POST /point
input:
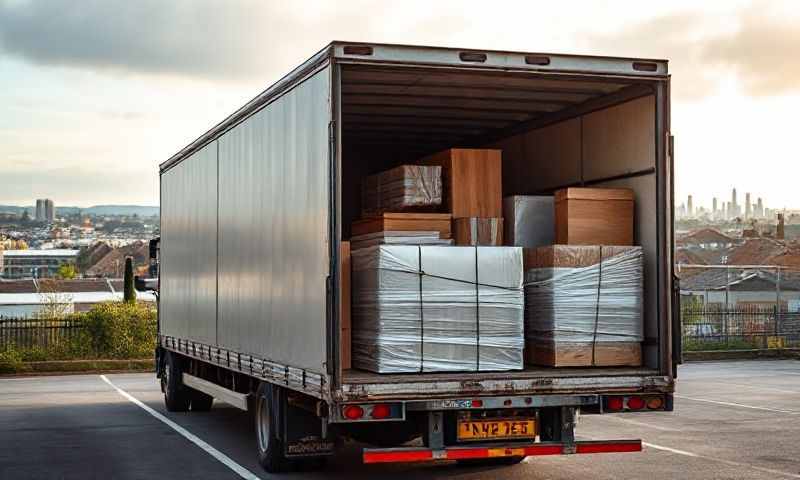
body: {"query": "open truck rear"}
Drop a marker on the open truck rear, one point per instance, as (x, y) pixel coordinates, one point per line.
(254, 211)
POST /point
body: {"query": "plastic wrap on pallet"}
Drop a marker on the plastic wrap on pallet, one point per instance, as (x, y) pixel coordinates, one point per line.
(401, 188)
(398, 238)
(501, 335)
(601, 302)
(423, 309)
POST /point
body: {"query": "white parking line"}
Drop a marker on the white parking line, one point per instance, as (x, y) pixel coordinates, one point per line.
(720, 460)
(641, 424)
(740, 405)
(224, 459)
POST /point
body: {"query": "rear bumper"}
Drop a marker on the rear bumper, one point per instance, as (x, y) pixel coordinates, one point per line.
(394, 455)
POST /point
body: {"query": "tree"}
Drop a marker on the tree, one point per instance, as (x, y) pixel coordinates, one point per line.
(66, 271)
(130, 291)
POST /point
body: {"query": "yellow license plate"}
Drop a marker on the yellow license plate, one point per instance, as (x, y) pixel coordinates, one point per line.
(490, 429)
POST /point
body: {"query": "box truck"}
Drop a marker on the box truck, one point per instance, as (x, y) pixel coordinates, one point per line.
(254, 211)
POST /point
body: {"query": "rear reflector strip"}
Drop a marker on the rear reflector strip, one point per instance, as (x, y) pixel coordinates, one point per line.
(392, 455)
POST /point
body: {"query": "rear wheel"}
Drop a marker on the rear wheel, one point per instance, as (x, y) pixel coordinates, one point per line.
(176, 395)
(270, 448)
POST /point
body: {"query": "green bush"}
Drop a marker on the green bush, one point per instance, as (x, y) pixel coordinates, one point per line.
(109, 331)
(120, 330)
(10, 360)
(731, 344)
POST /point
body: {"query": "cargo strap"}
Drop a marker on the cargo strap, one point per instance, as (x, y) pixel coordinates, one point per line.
(597, 309)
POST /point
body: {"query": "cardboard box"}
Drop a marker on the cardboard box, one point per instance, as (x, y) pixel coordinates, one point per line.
(583, 305)
(472, 180)
(402, 188)
(594, 216)
(401, 222)
(478, 231)
(529, 220)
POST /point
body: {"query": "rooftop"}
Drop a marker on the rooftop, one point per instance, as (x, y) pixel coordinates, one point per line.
(57, 252)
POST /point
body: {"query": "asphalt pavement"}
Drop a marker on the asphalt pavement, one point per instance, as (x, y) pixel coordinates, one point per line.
(732, 420)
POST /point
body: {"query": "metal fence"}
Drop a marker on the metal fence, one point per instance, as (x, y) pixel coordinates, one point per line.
(26, 333)
(730, 327)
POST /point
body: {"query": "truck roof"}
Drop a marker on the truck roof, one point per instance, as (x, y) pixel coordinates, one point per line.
(437, 57)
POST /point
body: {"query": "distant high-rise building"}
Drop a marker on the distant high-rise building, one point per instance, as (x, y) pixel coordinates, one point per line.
(714, 208)
(748, 212)
(49, 210)
(733, 210)
(45, 210)
(759, 209)
(39, 217)
(689, 207)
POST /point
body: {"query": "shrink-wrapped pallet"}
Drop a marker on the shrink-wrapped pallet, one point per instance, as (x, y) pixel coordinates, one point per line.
(583, 305)
(402, 188)
(437, 309)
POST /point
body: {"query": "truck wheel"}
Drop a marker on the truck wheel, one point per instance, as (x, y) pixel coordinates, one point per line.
(176, 396)
(270, 449)
(201, 402)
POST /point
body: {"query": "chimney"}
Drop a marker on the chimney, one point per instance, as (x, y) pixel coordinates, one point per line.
(779, 232)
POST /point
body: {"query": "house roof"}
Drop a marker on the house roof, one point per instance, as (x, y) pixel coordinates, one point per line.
(56, 252)
(113, 262)
(705, 235)
(40, 286)
(755, 251)
(689, 257)
(68, 298)
(740, 280)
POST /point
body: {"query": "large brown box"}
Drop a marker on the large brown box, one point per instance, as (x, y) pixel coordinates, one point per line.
(473, 231)
(404, 222)
(472, 179)
(345, 345)
(594, 216)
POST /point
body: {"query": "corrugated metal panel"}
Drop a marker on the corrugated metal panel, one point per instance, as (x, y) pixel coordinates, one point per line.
(189, 247)
(273, 229)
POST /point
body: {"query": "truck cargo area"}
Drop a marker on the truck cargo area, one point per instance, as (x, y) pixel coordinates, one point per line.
(555, 130)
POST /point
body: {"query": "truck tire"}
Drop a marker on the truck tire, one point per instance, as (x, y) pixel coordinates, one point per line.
(176, 395)
(200, 402)
(270, 448)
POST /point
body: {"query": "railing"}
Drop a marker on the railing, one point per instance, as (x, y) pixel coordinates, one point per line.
(25, 333)
(732, 327)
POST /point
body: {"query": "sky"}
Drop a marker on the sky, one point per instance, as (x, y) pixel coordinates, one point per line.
(95, 94)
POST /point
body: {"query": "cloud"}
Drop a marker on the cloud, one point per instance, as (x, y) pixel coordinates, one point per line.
(755, 44)
(763, 51)
(200, 38)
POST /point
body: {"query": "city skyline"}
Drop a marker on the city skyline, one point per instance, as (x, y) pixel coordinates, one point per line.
(753, 207)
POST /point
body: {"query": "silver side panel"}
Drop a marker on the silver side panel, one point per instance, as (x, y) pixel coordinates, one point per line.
(273, 229)
(189, 248)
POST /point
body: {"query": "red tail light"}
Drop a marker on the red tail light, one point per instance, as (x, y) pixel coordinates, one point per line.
(353, 412)
(614, 403)
(635, 403)
(381, 411)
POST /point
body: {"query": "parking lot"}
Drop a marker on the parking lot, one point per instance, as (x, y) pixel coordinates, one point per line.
(734, 419)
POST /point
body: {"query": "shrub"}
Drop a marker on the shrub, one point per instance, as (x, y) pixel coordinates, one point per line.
(10, 360)
(120, 330)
